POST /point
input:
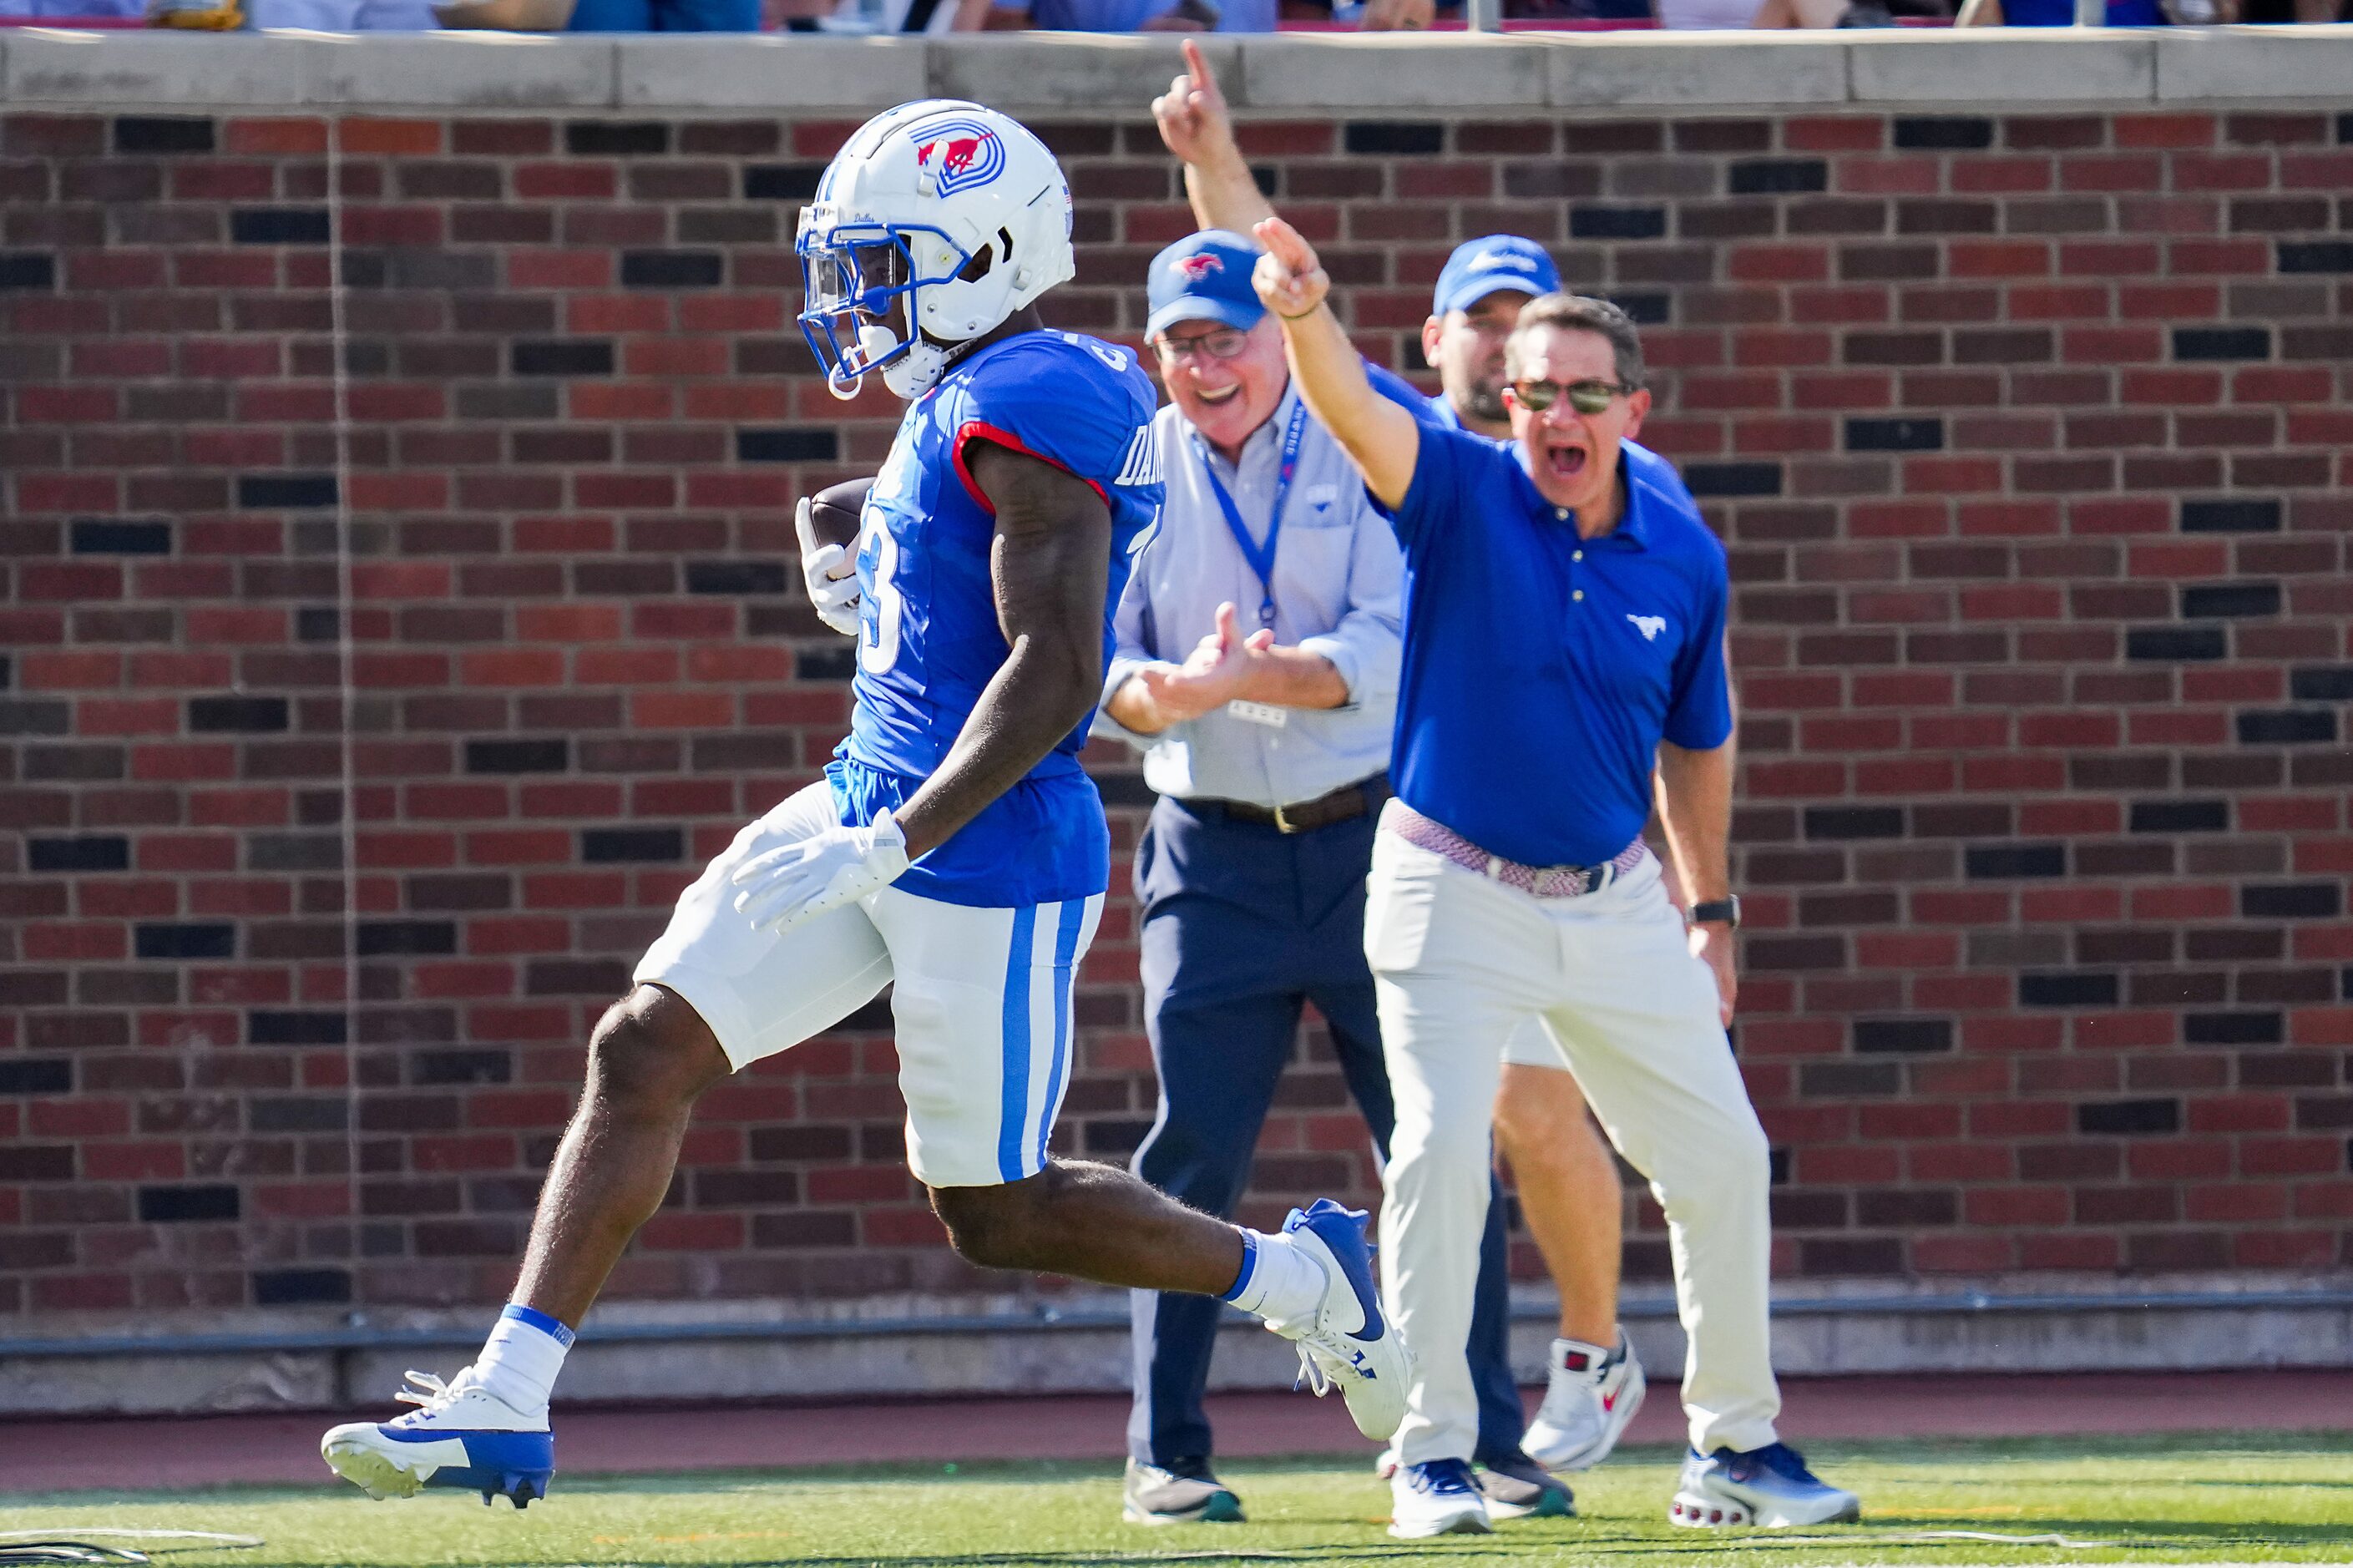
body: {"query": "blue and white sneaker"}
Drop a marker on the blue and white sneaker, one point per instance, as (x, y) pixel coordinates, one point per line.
(1346, 1342)
(1769, 1487)
(460, 1435)
(1440, 1497)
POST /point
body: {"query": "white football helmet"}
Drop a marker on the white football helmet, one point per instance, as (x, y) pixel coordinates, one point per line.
(934, 222)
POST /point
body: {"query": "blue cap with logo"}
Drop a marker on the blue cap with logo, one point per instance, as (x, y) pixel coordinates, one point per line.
(1479, 266)
(1204, 277)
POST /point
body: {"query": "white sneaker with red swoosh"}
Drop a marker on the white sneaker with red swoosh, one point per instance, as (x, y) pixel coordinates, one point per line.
(1590, 1397)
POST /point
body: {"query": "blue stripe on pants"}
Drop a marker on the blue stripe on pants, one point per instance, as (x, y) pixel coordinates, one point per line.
(1013, 1112)
(1066, 950)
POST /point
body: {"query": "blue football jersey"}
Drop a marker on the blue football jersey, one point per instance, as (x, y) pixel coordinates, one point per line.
(929, 642)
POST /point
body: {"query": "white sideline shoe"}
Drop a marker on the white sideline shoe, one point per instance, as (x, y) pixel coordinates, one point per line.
(1440, 1497)
(1590, 1397)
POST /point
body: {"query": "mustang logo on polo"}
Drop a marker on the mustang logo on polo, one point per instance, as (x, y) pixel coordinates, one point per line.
(1649, 625)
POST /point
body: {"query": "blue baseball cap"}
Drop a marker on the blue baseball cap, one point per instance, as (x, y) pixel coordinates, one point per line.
(1479, 266)
(1204, 277)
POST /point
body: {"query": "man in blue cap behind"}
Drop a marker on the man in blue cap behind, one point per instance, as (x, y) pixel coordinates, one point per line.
(1256, 665)
(1568, 1178)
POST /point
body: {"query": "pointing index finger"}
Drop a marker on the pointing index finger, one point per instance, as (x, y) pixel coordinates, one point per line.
(1198, 66)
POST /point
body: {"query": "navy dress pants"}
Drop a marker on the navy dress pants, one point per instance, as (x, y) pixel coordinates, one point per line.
(1242, 925)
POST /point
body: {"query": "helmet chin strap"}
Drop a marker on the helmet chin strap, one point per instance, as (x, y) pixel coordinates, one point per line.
(874, 340)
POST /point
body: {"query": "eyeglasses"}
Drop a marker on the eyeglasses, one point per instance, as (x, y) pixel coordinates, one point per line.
(1225, 343)
(1585, 397)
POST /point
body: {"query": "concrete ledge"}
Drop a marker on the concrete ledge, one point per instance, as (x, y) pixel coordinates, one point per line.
(1632, 70)
(2244, 64)
(1113, 77)
(1383, 73)
(2041, 66)
(753, 1350)
(658, 70)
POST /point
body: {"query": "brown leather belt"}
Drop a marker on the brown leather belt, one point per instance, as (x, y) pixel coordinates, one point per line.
(1342, 805)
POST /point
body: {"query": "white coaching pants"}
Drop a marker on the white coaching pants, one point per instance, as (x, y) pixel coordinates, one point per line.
(1459, 961)
(981, 1001)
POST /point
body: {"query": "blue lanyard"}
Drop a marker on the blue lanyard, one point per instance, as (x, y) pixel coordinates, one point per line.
(1262, 557)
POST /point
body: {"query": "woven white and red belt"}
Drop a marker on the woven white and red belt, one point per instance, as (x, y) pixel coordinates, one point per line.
(1537, 881)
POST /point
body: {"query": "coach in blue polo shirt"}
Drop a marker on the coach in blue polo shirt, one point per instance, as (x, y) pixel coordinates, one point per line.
(1569, 1194)
(1564, 639)
(1255, 664)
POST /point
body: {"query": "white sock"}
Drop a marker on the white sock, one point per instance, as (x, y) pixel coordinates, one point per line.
(1279, 1281)
(520, 1359)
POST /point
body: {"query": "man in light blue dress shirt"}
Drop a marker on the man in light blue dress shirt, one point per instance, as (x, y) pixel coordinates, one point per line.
(1256, 664)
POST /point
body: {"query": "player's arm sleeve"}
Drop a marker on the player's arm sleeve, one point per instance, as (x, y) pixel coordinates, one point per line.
(1368, 647)
(1699, 710)
(1063, 407)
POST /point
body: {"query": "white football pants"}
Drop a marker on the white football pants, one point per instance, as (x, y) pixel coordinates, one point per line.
(1460, 961)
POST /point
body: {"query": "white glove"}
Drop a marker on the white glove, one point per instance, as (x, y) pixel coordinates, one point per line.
(831, 571)
(811, 876)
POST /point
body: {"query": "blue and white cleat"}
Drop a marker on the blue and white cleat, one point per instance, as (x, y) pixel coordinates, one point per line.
(1440, 1497)
(460, 1435)
(1346, 1342)
(1768, 1487)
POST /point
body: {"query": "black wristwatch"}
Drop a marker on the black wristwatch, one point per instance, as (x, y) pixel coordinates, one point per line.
(1726, 908)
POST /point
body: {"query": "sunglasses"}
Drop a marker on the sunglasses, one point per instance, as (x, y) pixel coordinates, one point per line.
(1585, 397)
(1225, 343)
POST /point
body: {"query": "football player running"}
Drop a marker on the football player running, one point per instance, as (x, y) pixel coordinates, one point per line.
(954, 849)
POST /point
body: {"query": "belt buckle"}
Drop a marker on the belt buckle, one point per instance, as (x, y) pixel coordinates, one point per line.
(1283, 824)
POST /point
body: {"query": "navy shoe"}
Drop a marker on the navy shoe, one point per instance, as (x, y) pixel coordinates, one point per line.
(1516, 1487)
(1182, 1493)
(460, 1435)
(1768, 1487)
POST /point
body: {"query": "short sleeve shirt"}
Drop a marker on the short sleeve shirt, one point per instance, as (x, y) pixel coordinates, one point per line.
(1543, 670)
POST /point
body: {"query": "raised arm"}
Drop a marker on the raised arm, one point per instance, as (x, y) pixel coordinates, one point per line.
(1382, 438)
(1194, 123)
(1051, 563)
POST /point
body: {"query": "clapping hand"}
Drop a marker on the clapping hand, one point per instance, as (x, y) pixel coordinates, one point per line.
(1289, 279)
(1217, 671)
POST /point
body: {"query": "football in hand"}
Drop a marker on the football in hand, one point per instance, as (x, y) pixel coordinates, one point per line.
(834, 512)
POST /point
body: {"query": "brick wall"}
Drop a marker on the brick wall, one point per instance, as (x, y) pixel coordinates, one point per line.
(2024, 434)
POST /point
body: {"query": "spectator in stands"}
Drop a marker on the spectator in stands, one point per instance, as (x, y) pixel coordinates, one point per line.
(2055, 14)
(665, 16)
(1207, 15)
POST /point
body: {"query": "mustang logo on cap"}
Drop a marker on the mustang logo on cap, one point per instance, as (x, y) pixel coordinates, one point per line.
(1199, 267)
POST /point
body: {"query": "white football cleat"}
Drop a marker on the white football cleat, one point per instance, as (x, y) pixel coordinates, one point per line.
(460, 1435)
(1346, 1342)
(1768, 1487)
(1590, 1397)
(1440, 1497)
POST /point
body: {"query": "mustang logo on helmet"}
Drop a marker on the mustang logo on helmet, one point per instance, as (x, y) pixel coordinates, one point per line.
(958, 155)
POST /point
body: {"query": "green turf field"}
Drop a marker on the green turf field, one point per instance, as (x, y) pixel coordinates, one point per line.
(2235, 1499)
